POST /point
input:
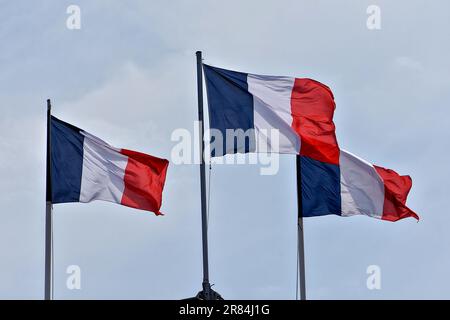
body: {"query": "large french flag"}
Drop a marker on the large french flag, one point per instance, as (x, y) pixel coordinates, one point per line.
(300, 109)
(85, 168)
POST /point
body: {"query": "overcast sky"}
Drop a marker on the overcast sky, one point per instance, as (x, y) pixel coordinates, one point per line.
(128, 76)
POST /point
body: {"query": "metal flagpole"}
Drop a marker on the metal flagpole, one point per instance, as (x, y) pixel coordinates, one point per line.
(301, 240)
(48, 215)
(206, 284)
(207, 293)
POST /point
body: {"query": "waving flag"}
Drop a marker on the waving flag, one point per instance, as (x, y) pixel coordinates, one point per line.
(85, 168)
(354, 187)
(301, 110)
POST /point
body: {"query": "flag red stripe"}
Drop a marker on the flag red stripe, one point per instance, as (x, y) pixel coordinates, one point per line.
(312, 108)
(396, 189)
(144, 181)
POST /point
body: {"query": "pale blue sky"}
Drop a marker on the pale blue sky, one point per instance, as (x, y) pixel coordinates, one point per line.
(128, 76)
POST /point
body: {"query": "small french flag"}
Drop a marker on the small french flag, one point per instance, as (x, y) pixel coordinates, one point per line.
(85, 168)
(354, 187)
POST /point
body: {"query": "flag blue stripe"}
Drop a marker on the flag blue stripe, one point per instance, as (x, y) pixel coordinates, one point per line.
(67, 161)
(321, 188)
(230, 107)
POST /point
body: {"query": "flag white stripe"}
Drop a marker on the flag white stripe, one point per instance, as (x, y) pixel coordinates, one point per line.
(272, 111)
(362, 189)
(103, 171)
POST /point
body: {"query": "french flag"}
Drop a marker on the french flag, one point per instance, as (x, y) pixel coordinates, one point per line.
(333, 181)
(300, 109)
(85, 168)
(353, 187)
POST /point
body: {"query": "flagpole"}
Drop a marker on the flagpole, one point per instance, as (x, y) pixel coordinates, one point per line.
(301, 240)
(48, 215)
(206, 285)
